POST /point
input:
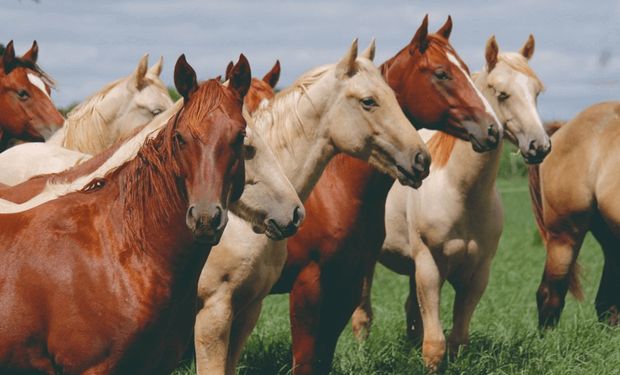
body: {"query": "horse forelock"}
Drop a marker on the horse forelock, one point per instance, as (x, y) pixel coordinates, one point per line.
(519, 63)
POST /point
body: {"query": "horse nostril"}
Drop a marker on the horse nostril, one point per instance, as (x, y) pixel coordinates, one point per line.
(422, 162)
(491, 130)
(216, 220)
(297, 216)
(533, 145)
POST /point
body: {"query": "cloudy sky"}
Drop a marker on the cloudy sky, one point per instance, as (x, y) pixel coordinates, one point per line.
(86, 44)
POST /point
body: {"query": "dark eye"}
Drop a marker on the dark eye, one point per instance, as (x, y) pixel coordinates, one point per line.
(502, 96)
(441, 75)
(23, 94)
(368, 103)
(156, 111)
(249, 152)
(179, 138)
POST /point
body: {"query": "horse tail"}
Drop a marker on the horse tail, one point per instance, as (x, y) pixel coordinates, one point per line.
(553, 126)
(574, 285)
(534, 185)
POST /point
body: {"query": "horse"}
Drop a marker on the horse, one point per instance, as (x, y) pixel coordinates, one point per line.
(118, 295)
(28, 113)
(573, 193)
(339, 245)
(343, 107)
(450, 228)
(101, 120)
(261, 89)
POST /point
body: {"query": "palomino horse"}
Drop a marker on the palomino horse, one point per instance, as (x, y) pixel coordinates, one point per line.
(450, 228)
(575, 191)
(345, 107)
(26, 109)
(101, 120)
(336, 247)
(103, 280)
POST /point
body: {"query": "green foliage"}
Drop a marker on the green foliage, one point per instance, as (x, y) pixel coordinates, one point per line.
(504, 334)
(174, 95)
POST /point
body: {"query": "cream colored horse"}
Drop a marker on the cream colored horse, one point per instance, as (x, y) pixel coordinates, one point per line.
(100, 121)
(449, 229)
(346, 107)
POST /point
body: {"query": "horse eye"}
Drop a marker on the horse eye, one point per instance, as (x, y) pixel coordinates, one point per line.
(156, 111)
(368, 103)
(441, 75)
(179, 138)
(502, 96)
(23, 94)
(249, 152)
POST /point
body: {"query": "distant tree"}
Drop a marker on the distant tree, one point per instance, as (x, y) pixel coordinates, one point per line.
(174, 95)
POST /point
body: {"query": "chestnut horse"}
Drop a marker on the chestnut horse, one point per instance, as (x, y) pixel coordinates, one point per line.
(104, 280)
(261, 89)
(26, 109)
(344, 228)
(343, 107)
(575, 190)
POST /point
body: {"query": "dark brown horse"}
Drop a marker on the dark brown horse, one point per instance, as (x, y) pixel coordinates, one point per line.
(26, 110)
(103, 280)
(575, 191)
(344, 229)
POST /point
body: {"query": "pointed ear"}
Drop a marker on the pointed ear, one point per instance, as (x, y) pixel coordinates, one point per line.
(9, 62)
(369, 52)
(155, 70)
(140, 72)
(185, 78)
(272, 76)
(490, 53)
(419, 42)
(347, 66)
(229, 68)
(241, 76)
(528, 48)
(32, 54)
(446, 29)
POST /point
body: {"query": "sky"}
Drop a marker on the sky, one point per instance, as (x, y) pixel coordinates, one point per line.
(86, 44)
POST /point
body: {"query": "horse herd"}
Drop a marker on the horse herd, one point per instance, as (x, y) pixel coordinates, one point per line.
(117, 245)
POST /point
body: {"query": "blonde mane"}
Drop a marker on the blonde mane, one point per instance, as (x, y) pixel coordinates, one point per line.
(517, 62)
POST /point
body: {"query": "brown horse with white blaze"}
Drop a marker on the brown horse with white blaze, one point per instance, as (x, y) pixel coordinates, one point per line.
(103, 280)
(26, 109)
(575, 191)
(344, 229)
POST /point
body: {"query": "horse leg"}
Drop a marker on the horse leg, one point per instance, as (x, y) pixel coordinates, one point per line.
(242, 327)
(415, 327)
(212, 333)
(361, 321)
(562, 251)
(428, 286)
(468, 292)
(607, 298)
(305, 315)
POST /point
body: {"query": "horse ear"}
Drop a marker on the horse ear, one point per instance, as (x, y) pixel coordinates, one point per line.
(140, 72)
(528, 48)
(369, 52)
(347, 66)
(185, 78)
(241, 76)
(419, 42)
(272, 76)
(156, 69)
(491, 52)
(229, 68)
(8, 58)
(32, 54)
(446, 29)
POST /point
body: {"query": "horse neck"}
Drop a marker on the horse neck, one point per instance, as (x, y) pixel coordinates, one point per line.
(299, 139)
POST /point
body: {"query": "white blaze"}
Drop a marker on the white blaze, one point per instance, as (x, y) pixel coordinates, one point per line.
(38, 82)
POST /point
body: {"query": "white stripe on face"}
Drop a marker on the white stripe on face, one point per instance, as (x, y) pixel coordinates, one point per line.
(521, 81)
(487, 106)
(38, 82)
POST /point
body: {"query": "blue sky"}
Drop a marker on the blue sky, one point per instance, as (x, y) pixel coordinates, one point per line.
(86, 44)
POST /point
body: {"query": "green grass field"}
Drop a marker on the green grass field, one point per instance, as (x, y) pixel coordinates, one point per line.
(504, 336)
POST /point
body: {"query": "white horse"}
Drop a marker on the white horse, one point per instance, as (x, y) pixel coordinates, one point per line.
(101, 120)
(449, 229)
(345, 107)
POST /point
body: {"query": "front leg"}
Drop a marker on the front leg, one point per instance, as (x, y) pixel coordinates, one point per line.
(361, 321)
(242, 326)
(212, 333)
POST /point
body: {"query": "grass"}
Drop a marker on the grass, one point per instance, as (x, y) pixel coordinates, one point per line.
(504, 336)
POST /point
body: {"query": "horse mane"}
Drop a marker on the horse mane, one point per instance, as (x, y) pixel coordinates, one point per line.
(519, 63)
(440, 146)
(553, 126)
(45, 77)
(85, 127)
